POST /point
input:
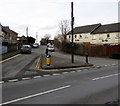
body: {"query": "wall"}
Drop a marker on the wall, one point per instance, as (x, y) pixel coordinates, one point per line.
(3, 49)
(95, 38)
(112, 40)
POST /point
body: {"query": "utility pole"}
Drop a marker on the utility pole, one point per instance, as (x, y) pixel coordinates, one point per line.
(36, 37)
(27, 34)
(72, 23)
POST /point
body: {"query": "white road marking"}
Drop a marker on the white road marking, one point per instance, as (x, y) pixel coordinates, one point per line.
(65, 72)
(56, 74)
(34, 95)
(14, 80)
(113, 64)
(85, 69)
(1, 82)
(72, 71)
(25, 78)
(105, 77)
(97, 66)
(105, 65)
(37, 77)
(79, 70)
(46, 75)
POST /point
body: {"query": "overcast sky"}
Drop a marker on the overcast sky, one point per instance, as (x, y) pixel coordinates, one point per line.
(43, 16)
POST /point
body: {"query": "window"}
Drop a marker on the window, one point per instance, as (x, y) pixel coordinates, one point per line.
(75, 36)
(86, 36)
(106, 40)
(69, 36)
(100, 37)
(117, 35)
(108, 35)
(93, 37)
(80, 36)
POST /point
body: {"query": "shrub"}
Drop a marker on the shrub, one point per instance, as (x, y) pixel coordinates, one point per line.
(115, 55)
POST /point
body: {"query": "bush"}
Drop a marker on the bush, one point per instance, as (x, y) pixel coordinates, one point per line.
(115, 56)
(67, 47)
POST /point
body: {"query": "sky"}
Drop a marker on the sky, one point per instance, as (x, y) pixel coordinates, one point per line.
(43, 16)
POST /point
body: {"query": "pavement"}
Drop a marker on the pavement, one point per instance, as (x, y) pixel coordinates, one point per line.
(62, 63)
(7, 55)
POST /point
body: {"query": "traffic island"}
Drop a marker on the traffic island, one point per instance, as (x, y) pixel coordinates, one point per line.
(57, 64)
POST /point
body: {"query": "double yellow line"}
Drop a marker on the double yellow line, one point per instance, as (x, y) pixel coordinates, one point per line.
(37, 65)
(9, 58)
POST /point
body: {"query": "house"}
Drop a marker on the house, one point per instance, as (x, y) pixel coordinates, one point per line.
(9, 35)
(1, 32)
(9, 39)
(22, 40)
(107, 34)
(83, 33)
(96, 34)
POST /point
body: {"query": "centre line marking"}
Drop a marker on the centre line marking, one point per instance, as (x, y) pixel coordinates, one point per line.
(9, 58)
(105, 77)
(34, 95)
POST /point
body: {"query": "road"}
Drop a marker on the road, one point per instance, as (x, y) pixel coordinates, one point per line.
(92, 86)
(13, 66)
(87, 86)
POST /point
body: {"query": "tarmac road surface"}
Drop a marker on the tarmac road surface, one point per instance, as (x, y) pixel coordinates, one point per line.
(14, 64)
(92, 86)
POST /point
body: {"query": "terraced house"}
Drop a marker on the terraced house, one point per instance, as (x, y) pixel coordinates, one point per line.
(96, 34)
(8, 38)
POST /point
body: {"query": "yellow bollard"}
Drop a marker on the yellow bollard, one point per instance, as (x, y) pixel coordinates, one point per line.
(48, 59)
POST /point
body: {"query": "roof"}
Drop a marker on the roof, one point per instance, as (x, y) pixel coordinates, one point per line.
(6, 29)
(108, 28)
(85, 29)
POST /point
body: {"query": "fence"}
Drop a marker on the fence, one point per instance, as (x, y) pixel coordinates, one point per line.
(92, 50)
(103, 50)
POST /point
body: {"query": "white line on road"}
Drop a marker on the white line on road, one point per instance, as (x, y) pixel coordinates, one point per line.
(65, 72)
(1, 82)
(25, 78)
(85, 69)
(113, 64)
(46, 75)
(72, 71)
(105, 77)
(38, 94)
(37, 77)
(79, 70)
(13, 80)
(56, 74)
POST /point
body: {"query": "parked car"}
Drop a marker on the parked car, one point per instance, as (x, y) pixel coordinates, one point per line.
(35, 45)
(25, 49)
(51, 48)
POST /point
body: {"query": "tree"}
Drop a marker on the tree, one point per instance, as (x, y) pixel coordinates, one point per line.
(47, 36)
(31, 40)
(64, 26)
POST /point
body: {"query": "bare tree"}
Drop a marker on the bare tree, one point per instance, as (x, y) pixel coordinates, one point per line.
(64, 26)
(47, 36)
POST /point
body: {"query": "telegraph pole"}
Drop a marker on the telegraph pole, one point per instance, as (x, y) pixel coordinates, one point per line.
(27, 34)
(36, 37)
(72, 23)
